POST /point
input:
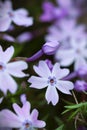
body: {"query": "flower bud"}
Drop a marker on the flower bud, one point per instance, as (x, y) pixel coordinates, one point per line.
(49, 48)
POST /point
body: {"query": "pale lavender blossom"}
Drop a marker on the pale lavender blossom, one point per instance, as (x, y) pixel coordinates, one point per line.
(8, 38)
(82, 71)
(23, 98)
(8, 15)
(51, 12)
(80, 85)
(77, 53)
(8, 69)
(65, 29)
(23, 119)
(70, 7)
(52, 80)
(24, 37)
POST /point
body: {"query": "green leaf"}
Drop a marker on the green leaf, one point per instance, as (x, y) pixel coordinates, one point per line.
(60, 127)
(76, 106)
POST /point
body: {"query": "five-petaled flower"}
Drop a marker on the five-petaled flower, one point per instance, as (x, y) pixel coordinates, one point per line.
(77, 52)
(53, 79)
(7, 69)
(23, 119)
(8, 15)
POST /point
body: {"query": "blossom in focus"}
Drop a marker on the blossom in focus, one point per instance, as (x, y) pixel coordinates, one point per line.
(8, 69)
(52, 80)
(77, 53)
(23, 119)
(8, 15)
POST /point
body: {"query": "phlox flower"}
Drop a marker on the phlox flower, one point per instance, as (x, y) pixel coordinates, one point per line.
(52, 79)
(22, 118)
(65, 29)
(8, 15)
(77, 53)
(8, 69)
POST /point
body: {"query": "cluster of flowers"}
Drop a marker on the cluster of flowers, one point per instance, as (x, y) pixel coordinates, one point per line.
(66, 41)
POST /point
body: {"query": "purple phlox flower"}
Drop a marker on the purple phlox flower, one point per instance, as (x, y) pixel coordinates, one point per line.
(59, 31)
(23, 119)
(51, 12)
(10, 68)
(49, 48)
(77, 53)
(8, 15)
(70, 8)
(7, 37)
(80, 85)
(24, 37)
(52, 80)
(82, 71)
(1, 99)
(23, 98)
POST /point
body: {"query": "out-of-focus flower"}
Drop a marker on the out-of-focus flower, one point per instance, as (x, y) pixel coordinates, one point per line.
(24, 37)
(23, 119)
(64, 30)
(77, 53)
(62, 10)
(70, 8)
(82, 71)
(8, 15)
(51, 12)
(23, 98)
(80, 85)
(8, 38)
(7, 69)
(52, 79)
(49, 48)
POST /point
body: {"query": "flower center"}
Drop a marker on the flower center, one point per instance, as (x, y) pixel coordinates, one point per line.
(2, 66)
(27, 125)
(52, 80)
(10, 14)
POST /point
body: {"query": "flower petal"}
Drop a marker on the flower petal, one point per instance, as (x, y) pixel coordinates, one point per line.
(37, 82)
(9, 119)
(65, 86)
(21, 14)
(16, 68)
(7, 83)
(23, 112)
(66, 57)
(4, 23)
(42, 69)
(7, 55)
(52, 95)
(59, 73)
